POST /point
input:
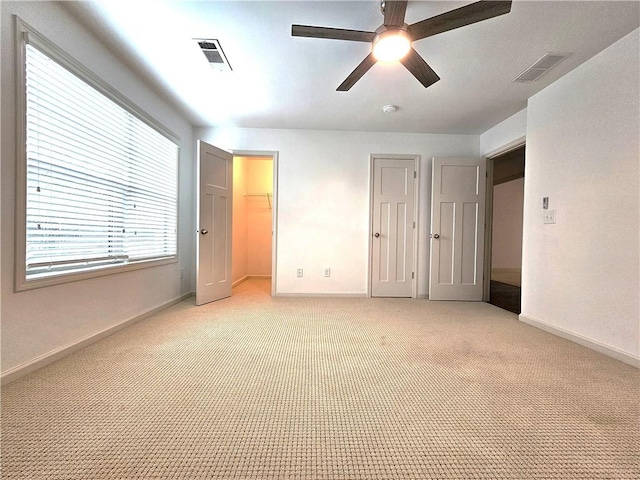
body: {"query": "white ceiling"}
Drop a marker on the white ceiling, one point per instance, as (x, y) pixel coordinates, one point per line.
(280, 81)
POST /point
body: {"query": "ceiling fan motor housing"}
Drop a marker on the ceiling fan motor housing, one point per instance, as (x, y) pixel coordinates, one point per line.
(391, 44)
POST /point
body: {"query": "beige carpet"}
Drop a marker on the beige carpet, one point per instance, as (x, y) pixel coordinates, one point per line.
(313, 388)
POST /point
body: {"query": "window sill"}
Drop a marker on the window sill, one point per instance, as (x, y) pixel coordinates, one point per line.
(21, 284)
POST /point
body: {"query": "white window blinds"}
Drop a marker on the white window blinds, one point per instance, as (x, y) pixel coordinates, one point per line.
(101, 186)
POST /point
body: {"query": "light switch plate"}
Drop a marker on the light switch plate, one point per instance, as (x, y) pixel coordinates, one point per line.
(549, 216)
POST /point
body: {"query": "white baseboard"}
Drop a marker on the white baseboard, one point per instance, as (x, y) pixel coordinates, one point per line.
(585, 342)
(239, 281)
(23, 369)
(507, 270)
(324, 295)
(248, 277)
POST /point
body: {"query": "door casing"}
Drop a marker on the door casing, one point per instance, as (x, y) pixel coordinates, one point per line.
(414, 233)
(274, 208)
(488, 231)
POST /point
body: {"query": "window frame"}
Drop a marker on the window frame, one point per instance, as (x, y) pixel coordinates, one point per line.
(25, 34)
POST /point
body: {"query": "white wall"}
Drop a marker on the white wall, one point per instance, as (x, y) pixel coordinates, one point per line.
(508, 133)
(38, 322)
(259, 216)
(506, 246)
(581, 275)
(323, 199)
(239, 233)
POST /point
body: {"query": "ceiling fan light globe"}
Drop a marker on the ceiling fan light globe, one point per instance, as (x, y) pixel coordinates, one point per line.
(391, 46)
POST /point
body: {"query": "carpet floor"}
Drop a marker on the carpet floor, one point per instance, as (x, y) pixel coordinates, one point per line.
(254, 387)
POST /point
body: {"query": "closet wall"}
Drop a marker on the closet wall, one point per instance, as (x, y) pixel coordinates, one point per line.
(252, 217)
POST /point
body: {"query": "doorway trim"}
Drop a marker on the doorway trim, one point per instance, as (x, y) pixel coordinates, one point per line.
(488, 224)
(274, 207)
(416, 216)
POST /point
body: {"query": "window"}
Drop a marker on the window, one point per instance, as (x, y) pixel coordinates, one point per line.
(100, 178)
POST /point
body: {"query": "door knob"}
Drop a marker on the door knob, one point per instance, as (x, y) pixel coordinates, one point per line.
(376, 235)
(436, 236)
(204, 231)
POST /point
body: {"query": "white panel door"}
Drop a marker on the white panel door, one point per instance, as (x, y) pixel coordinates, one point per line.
(457, 229)
(393, 228)
(215, 195)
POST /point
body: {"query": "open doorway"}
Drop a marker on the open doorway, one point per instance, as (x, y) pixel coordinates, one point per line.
(506, 229)
(253, 218)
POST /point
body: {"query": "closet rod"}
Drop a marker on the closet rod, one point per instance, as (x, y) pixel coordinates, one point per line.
(268, 195)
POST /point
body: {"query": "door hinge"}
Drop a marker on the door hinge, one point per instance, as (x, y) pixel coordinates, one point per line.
(414, 224)
(413, 275)
(415, 175)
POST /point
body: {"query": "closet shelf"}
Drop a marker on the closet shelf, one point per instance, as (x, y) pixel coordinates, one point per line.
(268, 195)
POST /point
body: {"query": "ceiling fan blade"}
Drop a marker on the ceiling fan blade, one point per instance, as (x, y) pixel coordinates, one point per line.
(419, 68)
(357, 74)
(459, 17)
(332, 33)
(394, 13)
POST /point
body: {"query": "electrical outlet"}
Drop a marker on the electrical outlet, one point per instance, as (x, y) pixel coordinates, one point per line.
(549, 216)
(327, 272)
(299, 273)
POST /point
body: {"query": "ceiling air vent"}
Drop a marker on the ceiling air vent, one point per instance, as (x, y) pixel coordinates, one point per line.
(542, 66)
(215, 56)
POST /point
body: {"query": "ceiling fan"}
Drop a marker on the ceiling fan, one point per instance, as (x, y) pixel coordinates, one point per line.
(395, 32)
